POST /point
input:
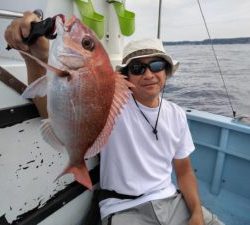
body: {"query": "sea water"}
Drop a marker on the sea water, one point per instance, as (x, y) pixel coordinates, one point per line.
(198, 84)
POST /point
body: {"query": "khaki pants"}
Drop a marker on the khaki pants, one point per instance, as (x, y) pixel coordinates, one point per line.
(169, 211)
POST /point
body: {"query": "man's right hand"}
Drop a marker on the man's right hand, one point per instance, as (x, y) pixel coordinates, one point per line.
(19, 29)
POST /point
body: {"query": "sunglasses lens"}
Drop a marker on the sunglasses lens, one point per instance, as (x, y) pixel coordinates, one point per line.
(140, 68)
(157, 66)
(137, 69)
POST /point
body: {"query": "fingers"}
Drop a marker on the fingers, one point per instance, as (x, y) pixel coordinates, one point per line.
(13, 36)
(18, 29)
(25, 24)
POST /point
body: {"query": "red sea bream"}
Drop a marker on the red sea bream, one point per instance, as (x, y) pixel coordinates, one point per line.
(84, 95)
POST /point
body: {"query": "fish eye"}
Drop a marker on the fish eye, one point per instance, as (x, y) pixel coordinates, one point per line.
(88, 43)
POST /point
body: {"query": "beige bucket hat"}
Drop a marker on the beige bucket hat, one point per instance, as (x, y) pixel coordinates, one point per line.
(146, 48)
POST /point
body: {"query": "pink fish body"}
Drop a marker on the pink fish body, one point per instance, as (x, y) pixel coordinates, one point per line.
(84, 95)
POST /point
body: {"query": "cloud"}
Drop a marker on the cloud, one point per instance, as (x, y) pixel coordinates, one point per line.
(182, 20)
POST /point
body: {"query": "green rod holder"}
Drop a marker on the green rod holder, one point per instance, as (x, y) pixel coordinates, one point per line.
(126, 18)
(92, 19)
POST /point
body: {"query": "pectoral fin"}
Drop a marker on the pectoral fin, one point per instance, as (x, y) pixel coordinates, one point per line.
(58, 72)
(37, 88)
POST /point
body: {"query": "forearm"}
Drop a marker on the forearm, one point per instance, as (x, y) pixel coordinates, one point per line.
(188, 185)
(14, 34)
(35, 71)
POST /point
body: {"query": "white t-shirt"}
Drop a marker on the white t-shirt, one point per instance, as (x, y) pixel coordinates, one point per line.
(134, 163)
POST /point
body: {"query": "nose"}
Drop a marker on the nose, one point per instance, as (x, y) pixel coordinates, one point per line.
(148, 74)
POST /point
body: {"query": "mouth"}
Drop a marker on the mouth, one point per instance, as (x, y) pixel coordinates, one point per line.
(60, 17)
(149, 85)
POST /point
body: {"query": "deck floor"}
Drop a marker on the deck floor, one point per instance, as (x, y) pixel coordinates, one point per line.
(230, 208)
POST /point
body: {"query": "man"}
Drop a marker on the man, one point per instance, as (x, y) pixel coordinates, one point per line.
(151, 136)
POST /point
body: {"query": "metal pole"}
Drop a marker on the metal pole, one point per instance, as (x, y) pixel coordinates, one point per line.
(6, 14)
(159, 20)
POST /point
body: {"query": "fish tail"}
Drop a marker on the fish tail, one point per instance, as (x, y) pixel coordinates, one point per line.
(80, 173)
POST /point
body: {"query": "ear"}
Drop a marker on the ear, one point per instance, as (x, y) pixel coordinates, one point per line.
(168, 69)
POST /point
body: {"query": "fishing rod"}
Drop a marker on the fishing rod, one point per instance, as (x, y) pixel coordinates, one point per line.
(217, 61)
(8, 14)
(159, 20)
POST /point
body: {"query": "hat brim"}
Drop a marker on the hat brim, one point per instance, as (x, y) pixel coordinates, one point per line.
(173, 63)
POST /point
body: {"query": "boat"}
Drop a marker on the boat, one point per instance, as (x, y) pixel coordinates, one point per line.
(28, 166)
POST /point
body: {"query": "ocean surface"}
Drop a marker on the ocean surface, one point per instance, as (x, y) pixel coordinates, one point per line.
(198, 84)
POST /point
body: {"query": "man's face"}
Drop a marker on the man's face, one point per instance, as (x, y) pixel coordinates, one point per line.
(148, 85)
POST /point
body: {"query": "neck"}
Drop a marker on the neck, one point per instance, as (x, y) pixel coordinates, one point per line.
(154, 128)
(151, 103)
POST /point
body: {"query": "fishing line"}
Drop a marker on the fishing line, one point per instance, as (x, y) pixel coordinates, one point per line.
(216, 58)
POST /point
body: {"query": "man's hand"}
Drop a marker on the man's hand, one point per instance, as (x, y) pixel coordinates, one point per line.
(196, 219)
(19, 29)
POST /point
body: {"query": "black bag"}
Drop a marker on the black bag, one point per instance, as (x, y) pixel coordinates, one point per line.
(94, 216)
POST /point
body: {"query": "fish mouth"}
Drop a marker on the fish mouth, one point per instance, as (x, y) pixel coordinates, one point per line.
(60, 17)
(59, 24)
(70, 23)
(56, 20)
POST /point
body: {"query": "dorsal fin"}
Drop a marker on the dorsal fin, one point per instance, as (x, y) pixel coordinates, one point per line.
(120, 98)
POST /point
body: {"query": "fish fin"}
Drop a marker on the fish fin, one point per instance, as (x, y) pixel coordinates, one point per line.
(120, 98)
(36, 88)
(49, 136)
(60, 73)
(80, 173)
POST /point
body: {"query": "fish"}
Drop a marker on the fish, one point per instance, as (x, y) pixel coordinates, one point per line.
(84, 95)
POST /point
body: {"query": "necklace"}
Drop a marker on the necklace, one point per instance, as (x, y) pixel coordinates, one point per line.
(154, 128)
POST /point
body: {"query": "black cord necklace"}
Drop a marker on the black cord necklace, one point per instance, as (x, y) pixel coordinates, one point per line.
(154, 128)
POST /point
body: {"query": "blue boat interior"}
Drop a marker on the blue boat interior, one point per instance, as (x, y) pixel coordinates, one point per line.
(221, 163)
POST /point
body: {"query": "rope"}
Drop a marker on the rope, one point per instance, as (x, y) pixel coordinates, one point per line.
(217, 61)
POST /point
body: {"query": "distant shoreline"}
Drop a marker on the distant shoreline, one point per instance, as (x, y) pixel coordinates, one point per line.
(218, 41)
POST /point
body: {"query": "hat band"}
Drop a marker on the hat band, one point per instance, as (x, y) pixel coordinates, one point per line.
(141, 52)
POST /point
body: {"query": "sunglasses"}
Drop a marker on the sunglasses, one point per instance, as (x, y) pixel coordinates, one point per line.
(138, 68)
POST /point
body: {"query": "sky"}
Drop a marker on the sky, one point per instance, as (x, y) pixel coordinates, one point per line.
(182, 20)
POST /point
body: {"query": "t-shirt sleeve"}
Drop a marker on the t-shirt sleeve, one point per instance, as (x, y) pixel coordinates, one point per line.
(186, 145)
